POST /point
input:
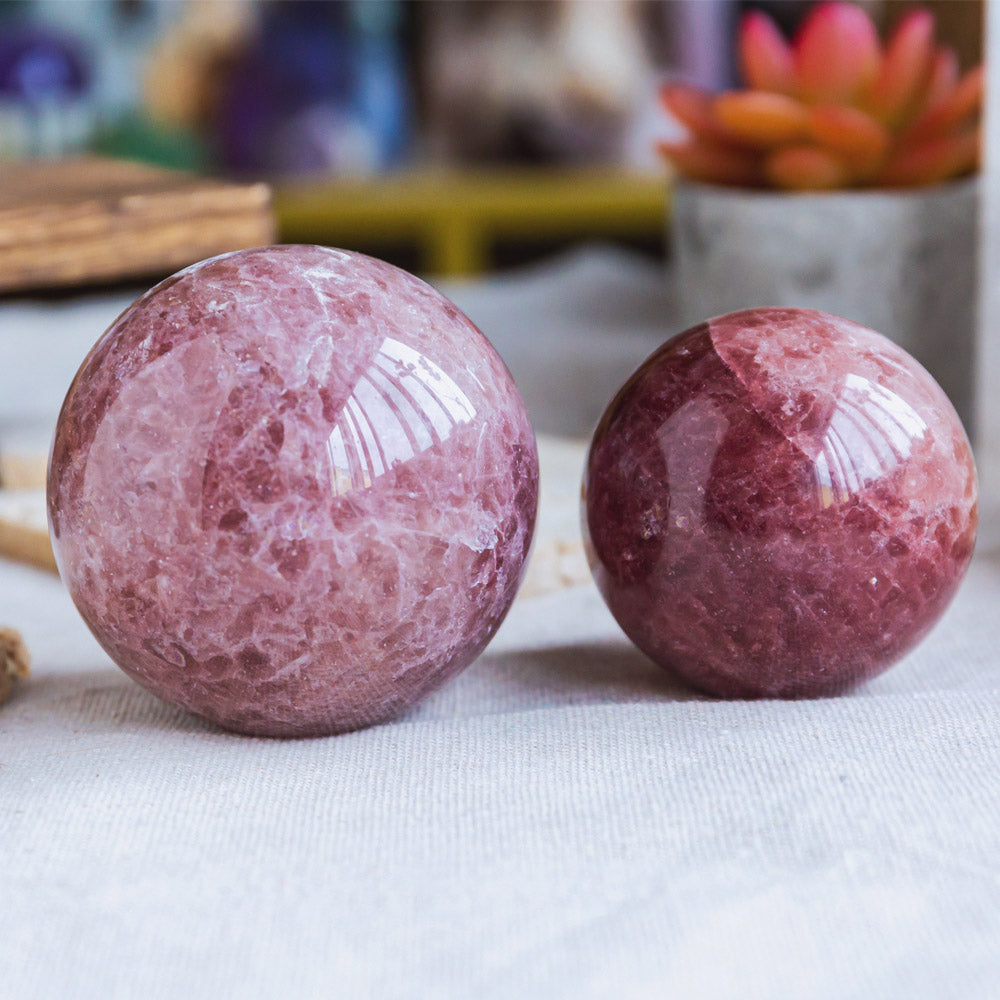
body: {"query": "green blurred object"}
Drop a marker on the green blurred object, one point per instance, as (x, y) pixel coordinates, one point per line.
(138, 138)
(455, 218)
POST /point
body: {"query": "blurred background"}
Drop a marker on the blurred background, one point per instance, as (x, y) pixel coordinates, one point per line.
(542, 115)
(504, 149)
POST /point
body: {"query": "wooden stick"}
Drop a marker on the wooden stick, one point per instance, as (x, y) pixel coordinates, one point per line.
(24, 536)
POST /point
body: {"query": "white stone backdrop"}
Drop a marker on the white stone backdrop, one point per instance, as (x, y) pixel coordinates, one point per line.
(988, 369)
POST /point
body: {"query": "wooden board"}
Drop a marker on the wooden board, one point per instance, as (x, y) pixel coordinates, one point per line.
(22, 470)
(24, 534)
(85, 220)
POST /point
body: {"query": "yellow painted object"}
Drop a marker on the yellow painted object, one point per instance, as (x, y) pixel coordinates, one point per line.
(455, 217)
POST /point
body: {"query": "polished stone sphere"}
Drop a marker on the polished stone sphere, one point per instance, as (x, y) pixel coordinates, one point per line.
(293, 490)
(779, 503)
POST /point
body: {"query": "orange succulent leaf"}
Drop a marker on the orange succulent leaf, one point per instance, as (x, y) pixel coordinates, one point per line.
(693, 108)
(806, 168)
(837, 53)
(930, 161)
(702, 160)
(952, 110)
(861, 140)
(943, 76)
(765, 57)
(905, 69)
(762, 119)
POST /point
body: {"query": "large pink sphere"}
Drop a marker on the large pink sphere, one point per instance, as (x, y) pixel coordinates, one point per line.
(779, 503)
(293, 490)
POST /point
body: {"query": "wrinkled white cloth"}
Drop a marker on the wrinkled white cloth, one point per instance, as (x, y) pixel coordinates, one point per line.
(562, 820)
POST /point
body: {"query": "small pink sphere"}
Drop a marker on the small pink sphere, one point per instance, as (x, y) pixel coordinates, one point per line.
(779, 503)
(293, 490)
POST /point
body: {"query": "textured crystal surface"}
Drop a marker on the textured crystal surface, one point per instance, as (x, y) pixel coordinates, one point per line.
(779, 503)
(293, 489)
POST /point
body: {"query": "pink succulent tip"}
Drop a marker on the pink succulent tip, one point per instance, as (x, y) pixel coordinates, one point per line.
(906, 68)
(837, 53)
(943, 75)
(765, 57)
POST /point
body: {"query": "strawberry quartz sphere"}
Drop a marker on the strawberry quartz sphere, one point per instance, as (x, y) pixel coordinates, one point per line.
(779, 503)
(292, 490)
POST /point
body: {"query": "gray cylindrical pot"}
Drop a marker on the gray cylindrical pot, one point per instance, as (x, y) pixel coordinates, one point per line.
(901, 262)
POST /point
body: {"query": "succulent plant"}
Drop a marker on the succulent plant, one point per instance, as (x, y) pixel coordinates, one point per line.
(834, 108)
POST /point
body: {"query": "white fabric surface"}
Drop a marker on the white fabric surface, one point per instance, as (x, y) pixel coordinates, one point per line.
(563, 820)
(560, 821)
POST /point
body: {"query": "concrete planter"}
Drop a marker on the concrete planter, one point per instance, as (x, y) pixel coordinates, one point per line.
(903, 263)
